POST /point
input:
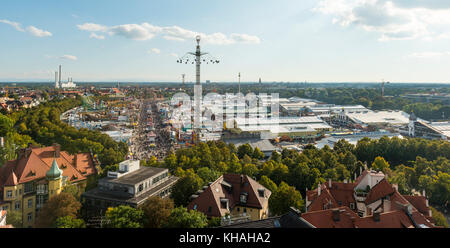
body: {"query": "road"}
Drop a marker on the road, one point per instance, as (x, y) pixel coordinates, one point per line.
(141, 146)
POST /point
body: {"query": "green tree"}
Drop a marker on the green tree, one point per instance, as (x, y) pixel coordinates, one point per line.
(182, 218)
(250, 170)
(244, 149)
(14, 218)
(185, 187)
(208, 175)
(438, 218)
(124, 217)
(69, 222)
(61, 205)
(283, 198)
(379, 164)
(258, 154)
(269, 184)
(156, 211)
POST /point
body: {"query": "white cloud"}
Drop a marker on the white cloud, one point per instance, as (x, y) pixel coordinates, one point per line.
(69, 57)
(38, 32)
(174, 55)
(155, 50)
(31, 29)
(146, 31)
(15, 25)
(92, 27)
(96, 36)
(392, 19)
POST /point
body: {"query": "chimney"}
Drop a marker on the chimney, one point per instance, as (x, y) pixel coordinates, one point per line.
(318, 189)
(423, 193)
(242, 179)
(57, 148)
(329, 183)
(336, 215)
(376, 217)
(360, 170)
(395, 186)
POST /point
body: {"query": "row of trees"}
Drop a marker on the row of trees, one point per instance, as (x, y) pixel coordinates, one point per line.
(42, 125)
(289, 174)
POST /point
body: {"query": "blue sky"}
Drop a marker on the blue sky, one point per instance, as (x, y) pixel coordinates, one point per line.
(283, 40)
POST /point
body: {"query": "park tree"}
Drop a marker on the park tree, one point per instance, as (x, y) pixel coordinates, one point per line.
(185, 187)
(269, 184)
(438, 218)
(243, 150)
(124, 217)
(250, 170)
(61, 205)
(379, 164)
(14, 218)
(156, 211)
(258, 154)
(180, 217)
(69, 222)
(283, 198)
(208, 175)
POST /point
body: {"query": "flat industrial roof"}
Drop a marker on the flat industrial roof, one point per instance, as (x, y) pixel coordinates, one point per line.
(136, 176)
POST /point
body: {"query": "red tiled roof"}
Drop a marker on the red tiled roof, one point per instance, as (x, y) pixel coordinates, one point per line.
(211, 197)
(324, 218)
(343, 193)
(319, 201)
(419, 202)
(12, 180)
(33, 164)
(380, 190)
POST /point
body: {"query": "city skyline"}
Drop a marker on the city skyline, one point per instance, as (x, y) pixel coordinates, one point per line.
(313, 40)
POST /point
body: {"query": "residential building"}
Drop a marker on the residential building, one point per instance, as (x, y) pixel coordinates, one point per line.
(368, 200)
(132, 185)
(232, 195)
(37, 175)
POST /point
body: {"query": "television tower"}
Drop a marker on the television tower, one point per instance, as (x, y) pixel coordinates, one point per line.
(197, 57)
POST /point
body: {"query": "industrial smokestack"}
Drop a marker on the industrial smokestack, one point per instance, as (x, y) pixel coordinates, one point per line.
(59, 74)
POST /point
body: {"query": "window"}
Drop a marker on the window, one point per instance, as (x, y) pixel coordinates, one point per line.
(195, 207)
(30, 217)
(9, 194)
(20, 191)
(5, 207)
(238, 209)
(209, 209)
(29, 187)
(245, 210)
(352, 205)
(17, 205)
(340, 203)
(30, 203)
(243, 198)
(141, 187)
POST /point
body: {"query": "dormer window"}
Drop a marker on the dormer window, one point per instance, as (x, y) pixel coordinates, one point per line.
(243, 198)
(261, 192)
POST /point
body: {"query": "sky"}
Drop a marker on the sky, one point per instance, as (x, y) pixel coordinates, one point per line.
(283, 40)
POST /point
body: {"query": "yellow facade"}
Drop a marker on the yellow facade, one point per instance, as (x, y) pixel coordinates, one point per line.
(254, 213)
(15, 199)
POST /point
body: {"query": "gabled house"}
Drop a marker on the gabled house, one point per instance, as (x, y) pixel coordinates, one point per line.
(234, 195)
